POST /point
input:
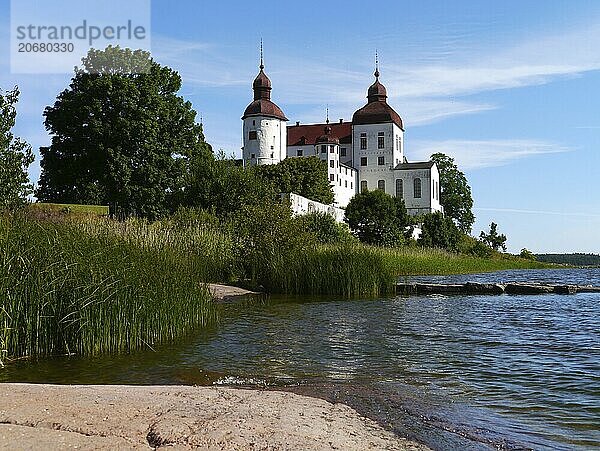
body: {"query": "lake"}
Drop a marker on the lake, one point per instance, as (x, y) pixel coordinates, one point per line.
(454, 372)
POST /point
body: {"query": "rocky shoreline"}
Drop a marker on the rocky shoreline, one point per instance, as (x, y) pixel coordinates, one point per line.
(491, 288)
(181, 417)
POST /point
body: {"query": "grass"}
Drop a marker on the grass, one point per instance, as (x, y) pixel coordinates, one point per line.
(64, 290)
(98, 210)
(359, 270)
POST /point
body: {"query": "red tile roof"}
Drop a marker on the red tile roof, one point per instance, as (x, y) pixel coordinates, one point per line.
(300, 135)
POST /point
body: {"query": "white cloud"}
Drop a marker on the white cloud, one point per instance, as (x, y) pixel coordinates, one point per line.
(538, 212)
(484, 153)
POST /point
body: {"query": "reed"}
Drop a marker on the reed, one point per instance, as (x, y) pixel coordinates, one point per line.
(64, 290)
(358, 270)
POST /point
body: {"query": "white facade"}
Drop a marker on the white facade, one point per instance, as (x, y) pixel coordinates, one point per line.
(419, 186)
(377, 149)
(265, 140)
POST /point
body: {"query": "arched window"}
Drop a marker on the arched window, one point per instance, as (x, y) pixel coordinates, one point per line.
(399, 188)
(381, 185)
(417, 188)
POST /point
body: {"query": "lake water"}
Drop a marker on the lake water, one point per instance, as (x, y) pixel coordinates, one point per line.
(455, 372)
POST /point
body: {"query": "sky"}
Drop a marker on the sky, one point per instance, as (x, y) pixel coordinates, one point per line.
(509, 89)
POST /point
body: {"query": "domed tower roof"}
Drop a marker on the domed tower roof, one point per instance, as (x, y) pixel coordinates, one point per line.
(327, 138)
(262, 104)
(377, 110)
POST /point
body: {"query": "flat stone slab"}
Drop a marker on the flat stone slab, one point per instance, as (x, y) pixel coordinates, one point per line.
(491, 288)
(182, 418)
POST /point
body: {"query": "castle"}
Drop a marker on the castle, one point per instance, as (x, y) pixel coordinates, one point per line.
(365, 154)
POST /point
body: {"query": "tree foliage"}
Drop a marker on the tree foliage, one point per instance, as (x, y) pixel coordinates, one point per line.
(304, 176)
(493, 239)
(455, 192)
(324, 228)
(439, 231)
(377, 218)
(121, 136)
(15, 156)
(222, 186)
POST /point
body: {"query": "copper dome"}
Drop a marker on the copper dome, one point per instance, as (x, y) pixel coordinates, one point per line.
(377, 110)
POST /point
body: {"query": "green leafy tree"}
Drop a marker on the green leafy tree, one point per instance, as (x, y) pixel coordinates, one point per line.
(121, 136)
(304, 176)
(527, 254)
(455, 192)
(220, 185)
(439, 231)
(15, 156)
(377, 218)
(493, 239)
(324, 228)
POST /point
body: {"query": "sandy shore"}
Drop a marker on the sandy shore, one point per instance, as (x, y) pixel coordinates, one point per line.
(180, 417)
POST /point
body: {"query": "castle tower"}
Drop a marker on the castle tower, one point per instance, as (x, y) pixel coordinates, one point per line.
(265, 130)
(377, 140)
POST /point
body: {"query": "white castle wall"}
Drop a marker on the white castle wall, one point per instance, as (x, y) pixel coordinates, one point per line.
(270, 144)
(301, 206)
(393, 153)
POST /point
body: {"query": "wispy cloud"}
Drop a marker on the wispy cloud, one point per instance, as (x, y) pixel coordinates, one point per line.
(538, 212)
(484, 153)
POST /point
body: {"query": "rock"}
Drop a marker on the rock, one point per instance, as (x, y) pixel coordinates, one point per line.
(484, 288)
(565, 289)
(588, 289)
(527, 288)
(437, 288)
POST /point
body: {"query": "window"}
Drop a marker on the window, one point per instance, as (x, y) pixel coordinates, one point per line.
(363, 161)
(345, 183)
(380, 161)
(417, 188)
(323, 149)
(363, 141)
(399, 188)
(380, 140)
(252, 135)
(343, 151)
(331, 164)
(299, 152)
(253, 156)
(381, 185)
(331, 178)
(397, 143)
(253, 122)
(351, 185)
(331, 149)
(363, 186)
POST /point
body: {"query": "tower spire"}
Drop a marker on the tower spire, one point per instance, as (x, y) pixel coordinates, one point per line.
(376, 65)
(262, 65)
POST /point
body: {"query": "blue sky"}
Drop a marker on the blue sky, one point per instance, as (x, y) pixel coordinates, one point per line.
(510, 89)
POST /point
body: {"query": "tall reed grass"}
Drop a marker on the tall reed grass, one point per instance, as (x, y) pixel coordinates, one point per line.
(65, 290)
(358, 270)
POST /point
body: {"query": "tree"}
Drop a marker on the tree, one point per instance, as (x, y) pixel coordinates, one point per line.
(439, 231)
(222, 186)
(527, 254)
(492, 239)
(455, 192)
(377, 218)
(15, 156)
(121, 136)
(304, 176)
